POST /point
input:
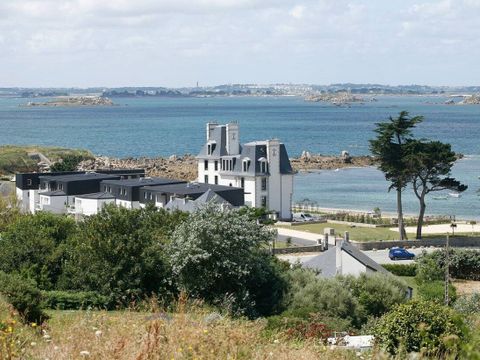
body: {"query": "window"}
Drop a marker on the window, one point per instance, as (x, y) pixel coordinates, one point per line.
(246, 165)
(145, 195)
(205, 164)
(216, 180)
(29, 182)
(109, 189)
(263, 166)
(209, 151)
(60, 186)
(264, 183)
(216, 165)
(206, 179)
(242, 182)
(264, 201)
(105, 188)
(151, 196)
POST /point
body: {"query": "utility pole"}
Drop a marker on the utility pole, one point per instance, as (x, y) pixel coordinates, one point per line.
(447, 265)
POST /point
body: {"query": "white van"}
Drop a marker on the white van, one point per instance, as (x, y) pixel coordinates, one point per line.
(302, 217)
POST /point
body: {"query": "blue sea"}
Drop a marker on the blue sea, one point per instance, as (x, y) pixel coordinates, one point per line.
(165, 126)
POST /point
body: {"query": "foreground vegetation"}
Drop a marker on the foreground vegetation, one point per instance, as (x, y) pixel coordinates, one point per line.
(15, 158)
(155, 284)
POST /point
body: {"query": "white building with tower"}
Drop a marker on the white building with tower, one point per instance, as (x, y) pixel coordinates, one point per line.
(261, 168)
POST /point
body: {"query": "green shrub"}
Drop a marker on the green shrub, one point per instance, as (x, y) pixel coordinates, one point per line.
(219, 256)
(468, 305)
(421, 326)
(120, 253)
(23, 295)
(401, 269)
(34, 246)
(435, 291)
(464, 263)
(75, 300)
(376, 293)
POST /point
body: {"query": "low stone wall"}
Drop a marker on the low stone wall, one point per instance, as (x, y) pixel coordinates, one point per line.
(298, 249)
(355, 224)
(437, 242)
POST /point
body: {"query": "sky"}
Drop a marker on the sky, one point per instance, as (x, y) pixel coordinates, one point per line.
(175, 43)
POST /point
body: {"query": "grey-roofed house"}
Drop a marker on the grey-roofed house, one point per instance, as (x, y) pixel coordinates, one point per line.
(127, 192)
(343, 259)
(57, 193)
(261, 168)
(28, 185)
(188, 205)
(91, 204)
(161, 195)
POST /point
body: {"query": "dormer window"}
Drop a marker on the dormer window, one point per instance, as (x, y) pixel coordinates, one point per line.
(263, 165)
(246, 164)
(211, 147)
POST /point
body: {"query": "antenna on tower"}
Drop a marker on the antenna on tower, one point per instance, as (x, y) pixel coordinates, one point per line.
(197, 84)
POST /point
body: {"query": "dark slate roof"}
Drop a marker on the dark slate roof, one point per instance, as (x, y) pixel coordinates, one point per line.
(210, 197)
(98, 195)
(285, 166)
(325, 262)
(188, 188)
(219, 137)
(54, 193)
(78, 177)
(362, 258)
(139, 182)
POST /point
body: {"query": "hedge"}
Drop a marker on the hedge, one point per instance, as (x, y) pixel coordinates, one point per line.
(74, 300)
(464, 263)
(401, 269)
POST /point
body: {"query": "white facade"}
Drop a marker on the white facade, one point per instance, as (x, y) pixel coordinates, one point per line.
(55, 204)
(87, 207)
(261, 168)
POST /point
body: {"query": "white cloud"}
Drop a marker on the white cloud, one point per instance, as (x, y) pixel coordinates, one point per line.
(205, 39)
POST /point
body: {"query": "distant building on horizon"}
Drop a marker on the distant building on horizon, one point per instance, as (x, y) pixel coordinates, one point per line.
(261, 168)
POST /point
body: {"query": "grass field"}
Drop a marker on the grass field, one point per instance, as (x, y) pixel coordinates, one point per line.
(15, 158)
(366, 234)
(189, 333)
(356, 233)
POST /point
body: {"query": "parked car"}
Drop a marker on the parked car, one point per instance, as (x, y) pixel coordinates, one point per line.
(302, 217)
(398, 253)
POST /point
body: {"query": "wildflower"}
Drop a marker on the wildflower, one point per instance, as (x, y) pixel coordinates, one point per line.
(98, 333)
(85, 353)
(33, 343)
(205, 331)
(56, 348)
(276, 341)
(33, 324)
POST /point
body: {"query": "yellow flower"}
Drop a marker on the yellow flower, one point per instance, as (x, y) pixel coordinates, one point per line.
(34, 324)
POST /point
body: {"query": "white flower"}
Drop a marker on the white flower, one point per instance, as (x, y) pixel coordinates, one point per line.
(85, 353)
(98, 333)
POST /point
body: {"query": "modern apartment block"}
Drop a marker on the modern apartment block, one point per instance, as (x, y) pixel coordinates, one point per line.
(261, 168)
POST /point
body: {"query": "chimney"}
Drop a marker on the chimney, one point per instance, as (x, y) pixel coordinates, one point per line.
(210, 127)
(233, 141)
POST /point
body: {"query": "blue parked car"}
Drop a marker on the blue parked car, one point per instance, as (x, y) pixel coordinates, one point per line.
(398, 253)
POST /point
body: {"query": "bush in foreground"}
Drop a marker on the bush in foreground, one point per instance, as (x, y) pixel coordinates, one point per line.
(219, 256)
(23, 295)
(120, 253)
(421, 326)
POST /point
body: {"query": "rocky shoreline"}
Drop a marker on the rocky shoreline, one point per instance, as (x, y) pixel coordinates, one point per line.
(185, 167)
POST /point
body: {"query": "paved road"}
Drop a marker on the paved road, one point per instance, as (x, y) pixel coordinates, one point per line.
(381, 256)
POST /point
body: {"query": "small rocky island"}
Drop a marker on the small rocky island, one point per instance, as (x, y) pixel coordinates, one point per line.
(74, 101)
(473, 99)
(342, 98)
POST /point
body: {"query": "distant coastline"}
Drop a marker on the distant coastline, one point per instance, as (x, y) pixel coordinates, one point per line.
(73, 101)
